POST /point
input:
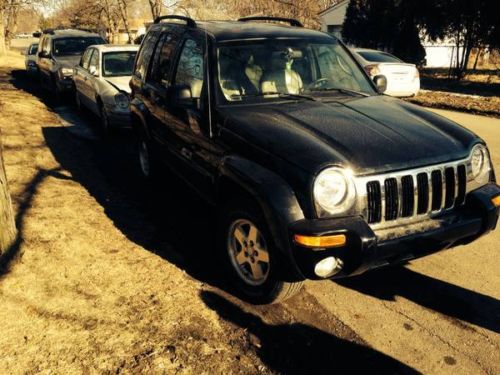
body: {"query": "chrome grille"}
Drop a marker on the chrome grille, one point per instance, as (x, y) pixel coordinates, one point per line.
(414, 195)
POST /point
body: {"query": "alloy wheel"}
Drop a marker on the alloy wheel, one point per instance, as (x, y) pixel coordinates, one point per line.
(248, 252)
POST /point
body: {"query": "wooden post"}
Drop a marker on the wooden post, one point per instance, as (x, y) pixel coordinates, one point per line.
(7, 224)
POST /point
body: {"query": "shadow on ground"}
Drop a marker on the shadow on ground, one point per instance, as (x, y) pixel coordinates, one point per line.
(300, 349)
(448, 299)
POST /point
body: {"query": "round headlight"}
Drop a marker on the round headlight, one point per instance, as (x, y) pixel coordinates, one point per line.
(479, 158)
(333, 190)
(122, 101)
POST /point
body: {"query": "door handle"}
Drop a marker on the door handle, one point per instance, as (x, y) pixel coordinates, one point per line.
(188, 154)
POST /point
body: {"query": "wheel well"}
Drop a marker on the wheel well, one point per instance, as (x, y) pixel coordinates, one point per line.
(228, 190)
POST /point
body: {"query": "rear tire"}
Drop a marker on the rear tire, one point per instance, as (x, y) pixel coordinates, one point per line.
(148, 164)
(250, 256)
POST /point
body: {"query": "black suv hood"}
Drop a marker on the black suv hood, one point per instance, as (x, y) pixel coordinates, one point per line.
(371, 134)
(69, 61)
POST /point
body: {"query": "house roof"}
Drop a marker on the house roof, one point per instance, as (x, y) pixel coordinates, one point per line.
(333, 7)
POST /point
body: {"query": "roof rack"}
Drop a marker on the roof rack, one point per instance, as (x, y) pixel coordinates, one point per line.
(291, 21)
(189, 21)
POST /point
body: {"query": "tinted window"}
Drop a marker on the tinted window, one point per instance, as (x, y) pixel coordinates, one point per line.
(190, 67)
(33, 49)
(147, 48)
(84, 62)
(116, 64)
(73, 46)
(378, 57)
(163, 58)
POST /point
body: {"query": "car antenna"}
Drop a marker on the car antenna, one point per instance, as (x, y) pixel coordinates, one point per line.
(208, 86)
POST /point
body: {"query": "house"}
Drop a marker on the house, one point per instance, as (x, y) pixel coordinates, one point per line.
(438, 54)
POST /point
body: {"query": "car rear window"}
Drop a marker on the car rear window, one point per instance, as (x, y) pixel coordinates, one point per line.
(74, 46)
(378, 57)
(118, 64)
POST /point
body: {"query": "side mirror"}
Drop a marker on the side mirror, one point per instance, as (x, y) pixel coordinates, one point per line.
(181, 95)
(43, 55)
(93, 71)
(381, 83)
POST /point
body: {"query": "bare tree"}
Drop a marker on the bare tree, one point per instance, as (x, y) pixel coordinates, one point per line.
(7, 224)
(122, 6)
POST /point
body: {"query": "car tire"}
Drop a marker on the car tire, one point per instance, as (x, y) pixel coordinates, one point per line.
(148, 164)
(249, 255)
(104, 125)
(78, 101)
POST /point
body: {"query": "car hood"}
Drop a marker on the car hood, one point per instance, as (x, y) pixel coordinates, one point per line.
(119, 83)
(68, 61)
(369, 135)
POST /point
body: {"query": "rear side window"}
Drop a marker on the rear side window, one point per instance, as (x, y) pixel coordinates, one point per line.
(163, 59)
(147, 48)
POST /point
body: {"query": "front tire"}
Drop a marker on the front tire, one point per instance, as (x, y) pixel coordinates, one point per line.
(148, 164)
(250, 256)
(105, 127)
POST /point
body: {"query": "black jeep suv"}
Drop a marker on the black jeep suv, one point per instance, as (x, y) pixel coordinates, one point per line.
(315, 174)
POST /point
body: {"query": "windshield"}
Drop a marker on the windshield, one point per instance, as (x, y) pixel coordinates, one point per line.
(378, 57)
(73, 46)
(265, 69)
(116, 64)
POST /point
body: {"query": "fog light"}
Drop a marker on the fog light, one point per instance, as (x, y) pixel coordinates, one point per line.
(328, 267)
(496, 201)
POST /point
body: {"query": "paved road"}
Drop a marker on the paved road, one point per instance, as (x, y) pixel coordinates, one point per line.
(439, 314)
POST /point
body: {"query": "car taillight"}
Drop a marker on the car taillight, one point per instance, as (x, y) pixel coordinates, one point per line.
(372, 70)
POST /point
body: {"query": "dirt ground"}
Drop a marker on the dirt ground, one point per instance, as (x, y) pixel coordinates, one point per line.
(118, 277)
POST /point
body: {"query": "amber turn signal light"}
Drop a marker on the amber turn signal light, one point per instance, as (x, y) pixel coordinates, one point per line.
(496, 201)
(335, 240)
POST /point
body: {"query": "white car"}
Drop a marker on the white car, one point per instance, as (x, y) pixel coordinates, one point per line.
(102, 83)
(30, 58)
(403, 79)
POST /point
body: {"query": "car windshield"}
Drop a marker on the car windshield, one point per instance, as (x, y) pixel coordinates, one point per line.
(33, 49)
(374, 56)
(116, 64)
(73, 46)
(291, 67)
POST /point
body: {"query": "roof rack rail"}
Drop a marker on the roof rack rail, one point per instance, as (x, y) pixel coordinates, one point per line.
(189, 21)
(291, 21)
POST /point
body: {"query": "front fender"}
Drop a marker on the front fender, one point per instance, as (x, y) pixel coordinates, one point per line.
(276, 199)
(139, 114)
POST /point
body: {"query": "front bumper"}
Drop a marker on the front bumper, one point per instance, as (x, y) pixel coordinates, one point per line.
(363, 251)
(120, 119)
(65, 84)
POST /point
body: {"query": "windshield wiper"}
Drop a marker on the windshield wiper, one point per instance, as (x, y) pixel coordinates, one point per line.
(342, 90)
(279, 94)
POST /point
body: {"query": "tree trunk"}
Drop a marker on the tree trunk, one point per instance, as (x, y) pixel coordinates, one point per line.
(3, 49)
(122, 4)
(7, 224)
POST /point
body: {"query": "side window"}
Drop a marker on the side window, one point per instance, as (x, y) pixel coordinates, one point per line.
(94, 61)
(190, 67)
(84, 62)
(147, 48)
(163, 59)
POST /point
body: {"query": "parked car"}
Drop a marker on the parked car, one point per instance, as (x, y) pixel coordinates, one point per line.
(30, 59)
(403, 79)
(313, 173)
(59, 51)
(102, 83)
